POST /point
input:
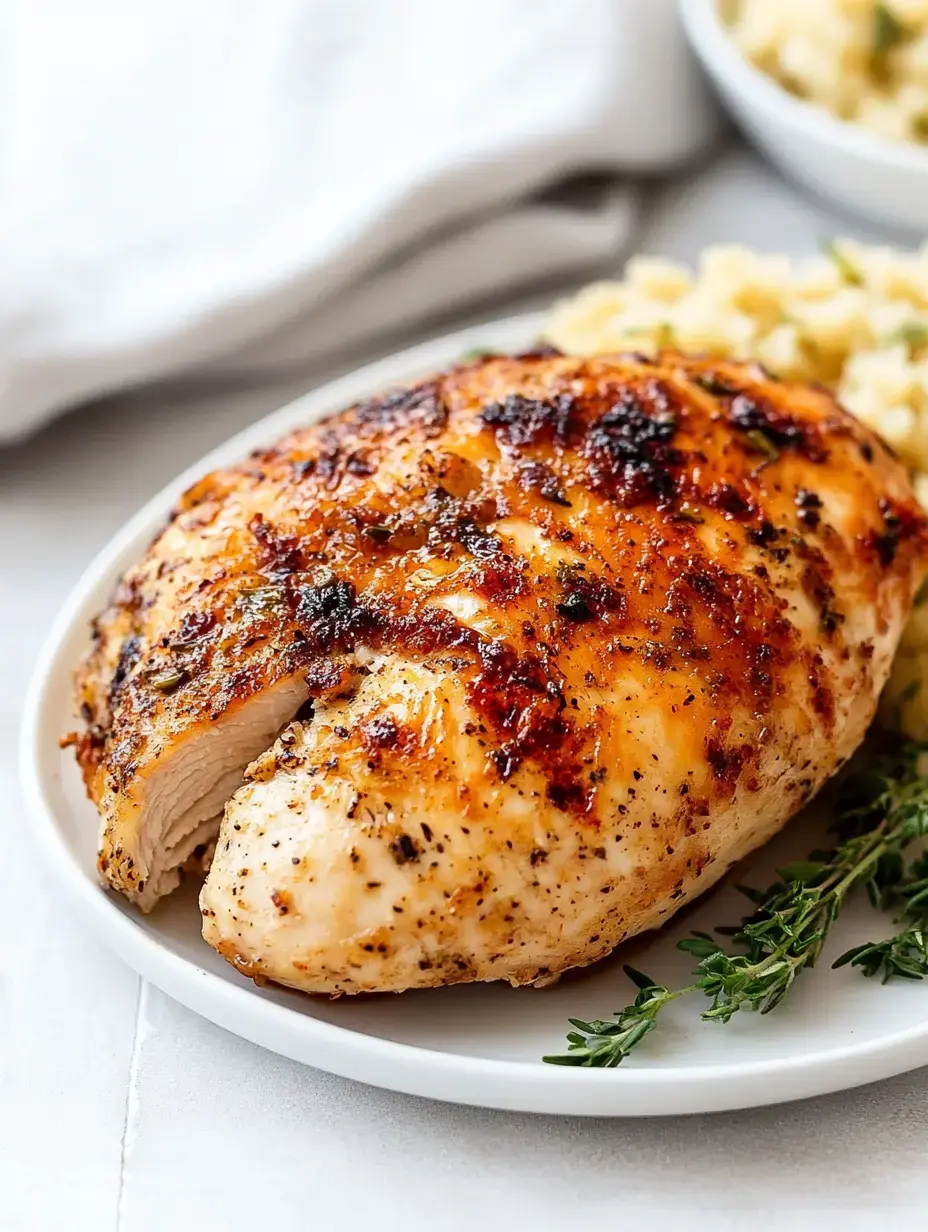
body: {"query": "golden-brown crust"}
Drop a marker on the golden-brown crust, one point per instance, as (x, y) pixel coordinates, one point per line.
(691, 502)
(647, 448)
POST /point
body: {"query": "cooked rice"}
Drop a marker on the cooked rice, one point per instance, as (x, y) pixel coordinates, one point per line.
(864, 62)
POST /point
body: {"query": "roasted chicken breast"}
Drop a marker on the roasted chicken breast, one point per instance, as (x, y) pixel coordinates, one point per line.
(560, 641)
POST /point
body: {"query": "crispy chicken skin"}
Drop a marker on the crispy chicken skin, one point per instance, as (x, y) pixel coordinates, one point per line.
(561, 640)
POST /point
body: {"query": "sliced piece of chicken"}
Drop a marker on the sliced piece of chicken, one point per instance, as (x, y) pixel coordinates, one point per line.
(160, 767)
(577, 634)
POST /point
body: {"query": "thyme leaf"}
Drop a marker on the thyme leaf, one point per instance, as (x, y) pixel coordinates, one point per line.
(846, 268)
(888, 30)
(914, 334)
(761, 443)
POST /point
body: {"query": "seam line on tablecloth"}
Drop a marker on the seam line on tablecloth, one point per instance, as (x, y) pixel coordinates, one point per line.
(131, 1104)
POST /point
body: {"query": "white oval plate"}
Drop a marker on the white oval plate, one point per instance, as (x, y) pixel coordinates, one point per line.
(475, 1044)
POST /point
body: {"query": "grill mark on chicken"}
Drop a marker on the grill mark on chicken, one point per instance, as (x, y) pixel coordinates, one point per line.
(566, 592)
(421, 408)
(751, 413)
(524, 701)
(631, 458)
(518, 420)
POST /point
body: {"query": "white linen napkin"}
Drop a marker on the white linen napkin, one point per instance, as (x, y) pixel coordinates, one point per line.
(220, 183)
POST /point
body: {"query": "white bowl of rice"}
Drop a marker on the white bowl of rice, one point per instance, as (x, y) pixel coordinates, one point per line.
(835, 92)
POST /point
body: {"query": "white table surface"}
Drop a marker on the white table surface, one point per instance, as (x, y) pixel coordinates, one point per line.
(120, 1110)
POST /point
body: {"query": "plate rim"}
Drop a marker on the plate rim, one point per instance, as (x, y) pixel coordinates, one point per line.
(521, 1086)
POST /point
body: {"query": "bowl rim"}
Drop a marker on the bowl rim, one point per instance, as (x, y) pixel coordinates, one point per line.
(724, 63)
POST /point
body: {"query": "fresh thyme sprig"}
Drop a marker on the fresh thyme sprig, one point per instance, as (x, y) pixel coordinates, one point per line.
(878, 814)
(905, 954)
(605, 1042)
